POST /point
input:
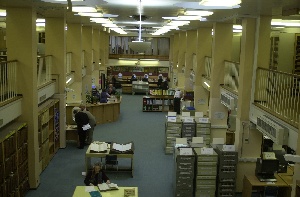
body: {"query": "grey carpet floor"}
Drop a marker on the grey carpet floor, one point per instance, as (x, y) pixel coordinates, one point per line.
(153, 170)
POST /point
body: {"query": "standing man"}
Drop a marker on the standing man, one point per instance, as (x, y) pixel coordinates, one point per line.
(82, 120)
(92, 122)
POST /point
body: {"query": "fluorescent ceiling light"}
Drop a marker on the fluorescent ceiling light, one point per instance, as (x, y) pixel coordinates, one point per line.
(66, 0)
(130, 59)
(237, 30)
(286, 23)
(40, 24)
(110, 15)
(2, 12)
(170, 17)
(91, 14)
(40, 20)
(198, 13)
(109, 25)
(225, 3)
(83, 9)
(100, 20)
(189, 18)
(206, 84)
(237, 27)
(69, 80)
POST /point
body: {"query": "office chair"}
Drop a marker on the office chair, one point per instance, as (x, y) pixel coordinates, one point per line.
(270, 191)
(111, 160)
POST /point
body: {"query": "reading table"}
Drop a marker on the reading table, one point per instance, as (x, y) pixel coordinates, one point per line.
(80, 192)
(89, 155)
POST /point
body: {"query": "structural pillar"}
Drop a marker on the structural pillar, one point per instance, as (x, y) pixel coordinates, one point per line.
(87, 46)
(55, 45)
(191, 49)
(181, 59)
(221, 51)
(74, 46)
(204, 45)
(250, 147)
(96, 56)
(175, 52)
(22, 46)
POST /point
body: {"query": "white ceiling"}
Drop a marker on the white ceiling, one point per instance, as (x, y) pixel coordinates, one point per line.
(154, 10)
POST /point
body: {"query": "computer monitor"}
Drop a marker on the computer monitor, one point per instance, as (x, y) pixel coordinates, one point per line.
(265, 169)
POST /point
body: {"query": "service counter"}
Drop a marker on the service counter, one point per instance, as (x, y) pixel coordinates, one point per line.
(103, 112)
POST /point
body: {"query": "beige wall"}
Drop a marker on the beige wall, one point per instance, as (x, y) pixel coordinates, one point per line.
(2, 39)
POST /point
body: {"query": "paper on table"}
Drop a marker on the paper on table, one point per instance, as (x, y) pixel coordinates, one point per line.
(89, 188)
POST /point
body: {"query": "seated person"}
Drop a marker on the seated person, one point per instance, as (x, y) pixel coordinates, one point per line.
(103, 96)
(145, 79)
(96, 176)
(111, 89)
(133, 78)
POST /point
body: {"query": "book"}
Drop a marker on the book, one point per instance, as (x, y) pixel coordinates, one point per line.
(122, 148)
(98, 147)
(106, 186)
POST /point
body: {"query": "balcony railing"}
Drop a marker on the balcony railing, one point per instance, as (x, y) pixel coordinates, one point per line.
(8, 80)
(44, 70)
(231, 75)
(68, 63)
(278, 93)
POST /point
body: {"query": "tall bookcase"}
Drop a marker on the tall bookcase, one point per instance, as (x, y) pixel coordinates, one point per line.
(48, 132)
(14, 180)
(161, 103)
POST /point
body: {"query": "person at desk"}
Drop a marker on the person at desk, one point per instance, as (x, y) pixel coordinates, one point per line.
(111, 89)
(81, 120)
(133, 78)
(159, 81)
(103, 96)
(96, 176)
(145, 79)
(92, 122)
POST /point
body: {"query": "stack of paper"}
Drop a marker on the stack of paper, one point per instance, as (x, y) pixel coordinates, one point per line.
(122, 148)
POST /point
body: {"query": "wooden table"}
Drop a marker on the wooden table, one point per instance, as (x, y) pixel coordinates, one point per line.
(80, 192)
(251, 183)
(89, 155)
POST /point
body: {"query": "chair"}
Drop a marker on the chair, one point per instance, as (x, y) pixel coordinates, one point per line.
(270, 191)
(111, 160)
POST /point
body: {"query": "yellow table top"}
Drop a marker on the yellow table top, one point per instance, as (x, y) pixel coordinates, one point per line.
(80, 192)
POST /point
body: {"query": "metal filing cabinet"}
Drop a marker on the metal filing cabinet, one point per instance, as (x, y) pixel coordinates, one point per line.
(206, 173)
(173, 131)
(227, 172)
(188, 130)
(185, 170)
(203, 130)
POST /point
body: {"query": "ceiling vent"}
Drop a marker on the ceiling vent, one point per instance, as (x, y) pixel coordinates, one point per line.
(227, 100)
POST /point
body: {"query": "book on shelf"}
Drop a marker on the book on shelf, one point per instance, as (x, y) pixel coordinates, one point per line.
(121, 148)
(98, 147)
(107, 186)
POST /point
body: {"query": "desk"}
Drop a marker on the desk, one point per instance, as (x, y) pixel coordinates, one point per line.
(89, 155)
(251, 182)
(72, 133)
(80, 192)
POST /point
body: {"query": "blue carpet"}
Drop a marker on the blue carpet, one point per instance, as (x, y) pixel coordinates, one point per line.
(153, 170)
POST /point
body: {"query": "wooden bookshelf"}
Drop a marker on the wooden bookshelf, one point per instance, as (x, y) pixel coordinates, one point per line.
(158, 103)
(48, 132)
(14, 160)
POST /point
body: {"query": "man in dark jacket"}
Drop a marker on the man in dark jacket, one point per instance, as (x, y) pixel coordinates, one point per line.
(81, 120)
